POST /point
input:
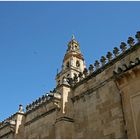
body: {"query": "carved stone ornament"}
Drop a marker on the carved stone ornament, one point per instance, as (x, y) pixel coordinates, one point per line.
(103, 60)
(109, 56)
(20, 108)
(123, 47)
(97, 64)
(138, 36)
(116, 51)
(130, 41)
(85, 72)
(91, 68)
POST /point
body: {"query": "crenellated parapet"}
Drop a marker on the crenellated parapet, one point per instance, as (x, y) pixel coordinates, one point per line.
(10, 121)
(46, 98)
(53, 97)
(110, 58)
(93, 92)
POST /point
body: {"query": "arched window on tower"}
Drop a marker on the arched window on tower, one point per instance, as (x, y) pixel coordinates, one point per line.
(77, 63)
(58, 82)
(68, 75)
(67, 64)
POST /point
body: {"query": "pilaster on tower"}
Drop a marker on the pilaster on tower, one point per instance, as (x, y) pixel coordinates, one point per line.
(73, 62)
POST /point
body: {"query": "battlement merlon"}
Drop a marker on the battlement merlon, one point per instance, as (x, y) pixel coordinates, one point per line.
(53, 96)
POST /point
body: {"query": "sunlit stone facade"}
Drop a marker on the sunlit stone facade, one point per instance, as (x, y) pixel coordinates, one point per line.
(102, 101)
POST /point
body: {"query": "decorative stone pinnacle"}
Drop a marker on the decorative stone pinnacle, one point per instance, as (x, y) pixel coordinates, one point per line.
(91, 68)
(85, 72)
(97, 64)
(130, 41)
(109, 56)
(138, 36)
(103, 60)
(27, 107)
(123, 46)
(20, 108)
(116, 51)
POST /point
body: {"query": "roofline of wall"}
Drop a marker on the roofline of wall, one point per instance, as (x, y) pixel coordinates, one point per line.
(112, 62)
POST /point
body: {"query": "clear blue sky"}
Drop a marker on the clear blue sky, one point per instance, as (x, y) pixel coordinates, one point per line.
(34, 37)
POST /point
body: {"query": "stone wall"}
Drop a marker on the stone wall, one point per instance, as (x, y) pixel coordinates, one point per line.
(128, 81)
(8, 127)
(100, 103)
(98, 113)
(6, 132)
(39, 123)
(98, 110)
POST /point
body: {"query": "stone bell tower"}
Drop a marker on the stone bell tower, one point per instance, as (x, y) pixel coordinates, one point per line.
(73, 62)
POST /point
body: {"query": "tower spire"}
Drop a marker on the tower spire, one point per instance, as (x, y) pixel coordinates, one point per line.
(73, 37)
(73, 62)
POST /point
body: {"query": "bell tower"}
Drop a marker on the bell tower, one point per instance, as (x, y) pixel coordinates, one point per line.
(73, 62)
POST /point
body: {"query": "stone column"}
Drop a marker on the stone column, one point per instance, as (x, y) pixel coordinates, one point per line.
(19, 130)
(64, 121)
